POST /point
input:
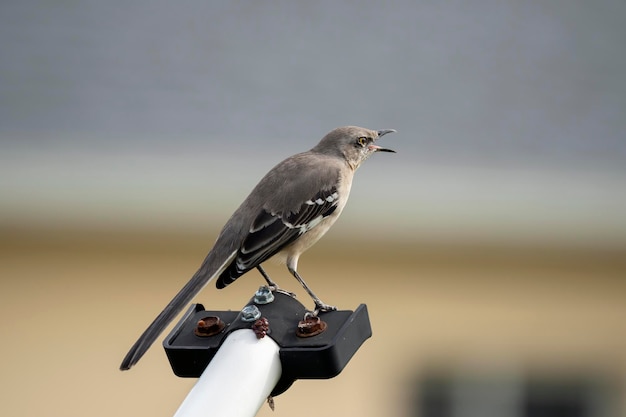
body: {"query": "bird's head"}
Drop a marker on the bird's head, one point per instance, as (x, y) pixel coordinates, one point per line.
(353, 143)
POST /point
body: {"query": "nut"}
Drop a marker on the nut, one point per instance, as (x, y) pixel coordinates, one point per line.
(250, 313)
(263, 295)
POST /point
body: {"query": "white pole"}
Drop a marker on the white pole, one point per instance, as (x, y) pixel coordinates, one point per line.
(237, 381)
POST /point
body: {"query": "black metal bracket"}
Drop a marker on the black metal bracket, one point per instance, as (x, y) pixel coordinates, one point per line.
(321, 356)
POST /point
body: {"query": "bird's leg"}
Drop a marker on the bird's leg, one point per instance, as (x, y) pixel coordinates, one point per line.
(267, 278)
(319, 305)
(271, 284)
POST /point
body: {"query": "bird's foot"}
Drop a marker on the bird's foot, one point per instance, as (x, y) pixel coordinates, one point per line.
(322, 308)
(280, 290)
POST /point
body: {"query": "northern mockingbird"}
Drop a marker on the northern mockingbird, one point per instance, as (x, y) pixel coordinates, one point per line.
(285, 214)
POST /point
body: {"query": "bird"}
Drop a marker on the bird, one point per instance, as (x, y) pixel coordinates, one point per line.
(287, 212)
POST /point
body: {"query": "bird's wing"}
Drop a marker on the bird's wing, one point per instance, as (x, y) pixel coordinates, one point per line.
(271, 232)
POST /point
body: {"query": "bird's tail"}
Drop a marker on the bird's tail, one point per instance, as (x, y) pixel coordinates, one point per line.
(200, 279)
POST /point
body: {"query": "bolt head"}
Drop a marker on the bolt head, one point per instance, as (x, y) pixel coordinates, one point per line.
(250, 313)
(310, 326)
(263, 295)
(209, 326)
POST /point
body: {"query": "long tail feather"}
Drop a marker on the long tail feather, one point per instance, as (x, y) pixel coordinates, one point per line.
(178, 303)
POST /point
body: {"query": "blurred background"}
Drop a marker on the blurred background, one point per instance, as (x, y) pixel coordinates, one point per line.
(490, 250)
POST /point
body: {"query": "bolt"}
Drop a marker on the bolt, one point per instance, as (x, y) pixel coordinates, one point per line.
(261, 327)
(310, 326)
(250, 313)
(263, 295)
(209, 326)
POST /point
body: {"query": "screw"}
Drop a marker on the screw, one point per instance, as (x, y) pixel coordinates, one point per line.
(209, 326)
(310, 326)
(250, 313)
(263, 295)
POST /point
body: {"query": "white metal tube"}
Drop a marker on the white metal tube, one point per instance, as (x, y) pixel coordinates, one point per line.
(237, 381)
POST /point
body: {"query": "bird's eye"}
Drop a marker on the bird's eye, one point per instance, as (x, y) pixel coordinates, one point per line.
(362, 141)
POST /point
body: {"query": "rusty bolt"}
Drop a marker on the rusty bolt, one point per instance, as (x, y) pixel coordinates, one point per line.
(310, 326)
(209, 326)
(263, 295)
(261, 327)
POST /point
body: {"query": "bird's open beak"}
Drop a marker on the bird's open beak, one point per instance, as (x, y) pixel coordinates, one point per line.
(380, 148)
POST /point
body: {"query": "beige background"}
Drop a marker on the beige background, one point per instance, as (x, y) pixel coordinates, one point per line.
(73, 302)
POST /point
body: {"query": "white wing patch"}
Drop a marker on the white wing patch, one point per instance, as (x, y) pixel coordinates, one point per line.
(331, 198)
(303, 228)
(271, 231)
(310, 225)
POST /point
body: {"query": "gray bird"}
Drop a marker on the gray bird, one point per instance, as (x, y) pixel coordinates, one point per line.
(285, 214)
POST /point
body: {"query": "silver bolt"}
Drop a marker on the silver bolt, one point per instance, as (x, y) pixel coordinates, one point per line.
(250, 313)
(263, 295)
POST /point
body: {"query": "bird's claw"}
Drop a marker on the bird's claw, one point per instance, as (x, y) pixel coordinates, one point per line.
(281, 291)
(321, 308)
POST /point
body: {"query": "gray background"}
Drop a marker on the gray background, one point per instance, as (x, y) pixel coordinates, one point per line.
(510, 114)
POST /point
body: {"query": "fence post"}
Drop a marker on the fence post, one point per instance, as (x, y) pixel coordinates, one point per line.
(238, 379)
